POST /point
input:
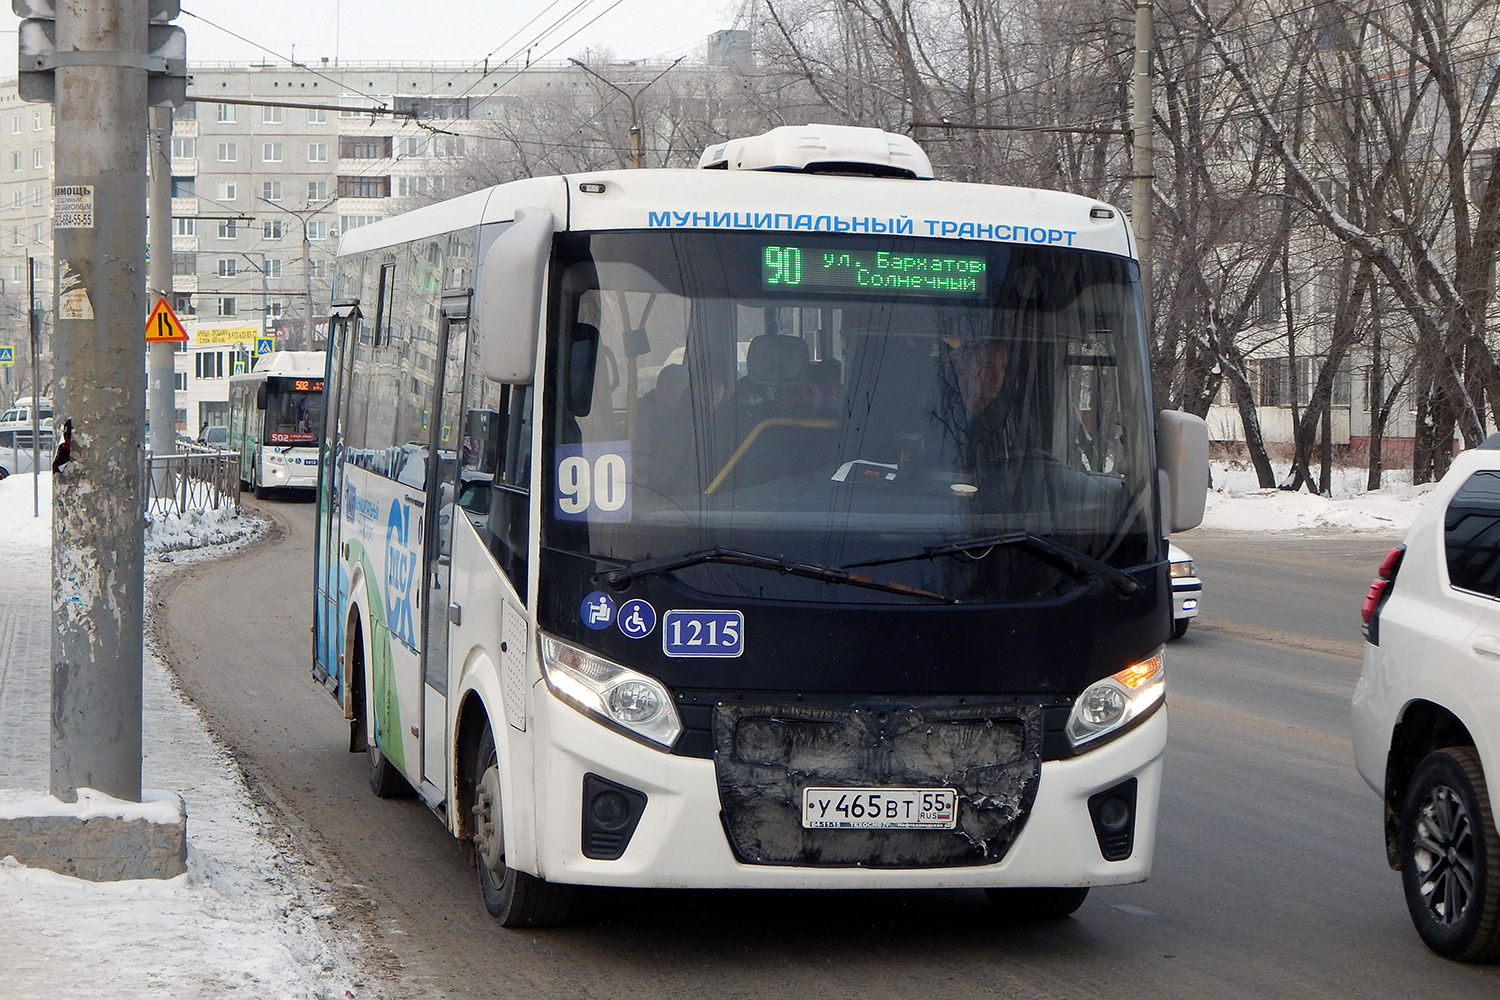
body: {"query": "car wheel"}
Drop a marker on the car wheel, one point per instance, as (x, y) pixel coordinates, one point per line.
(513, 898)
(1450, 856)
(1180, 627)
(1038, 904)
(4, 472)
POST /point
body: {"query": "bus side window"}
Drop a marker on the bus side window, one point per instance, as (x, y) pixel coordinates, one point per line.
(495, 491)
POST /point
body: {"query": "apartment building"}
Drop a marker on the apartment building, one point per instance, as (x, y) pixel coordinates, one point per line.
(270, 163)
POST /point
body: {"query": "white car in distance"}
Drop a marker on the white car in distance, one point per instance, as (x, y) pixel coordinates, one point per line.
(1187, 589)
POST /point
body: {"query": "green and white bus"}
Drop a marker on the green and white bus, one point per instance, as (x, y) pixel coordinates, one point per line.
(276, 421)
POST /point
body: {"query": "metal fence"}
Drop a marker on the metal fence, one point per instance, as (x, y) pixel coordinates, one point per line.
(193, 481)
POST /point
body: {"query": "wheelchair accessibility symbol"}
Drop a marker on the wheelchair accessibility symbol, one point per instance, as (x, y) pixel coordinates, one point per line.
(636, 619)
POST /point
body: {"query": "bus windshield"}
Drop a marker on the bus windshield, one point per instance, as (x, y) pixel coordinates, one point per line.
(908, 408)
(294, 410)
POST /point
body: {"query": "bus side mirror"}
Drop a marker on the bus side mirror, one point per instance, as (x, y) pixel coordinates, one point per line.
(510, 297)
(262, 393)
(1182, 454)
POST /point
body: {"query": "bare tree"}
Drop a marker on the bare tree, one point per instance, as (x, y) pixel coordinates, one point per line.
(1431, 231)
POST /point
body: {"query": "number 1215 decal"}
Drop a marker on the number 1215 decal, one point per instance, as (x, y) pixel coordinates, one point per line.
(703, 633)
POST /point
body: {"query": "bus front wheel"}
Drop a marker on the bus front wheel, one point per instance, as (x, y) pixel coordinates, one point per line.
(513, 898)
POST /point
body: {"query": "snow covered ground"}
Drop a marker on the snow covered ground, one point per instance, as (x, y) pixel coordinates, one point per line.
(248, 918)
(245, 920)
(1236, 503)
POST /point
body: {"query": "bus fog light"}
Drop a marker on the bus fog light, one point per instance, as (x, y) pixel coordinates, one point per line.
(1108, 705)
(613, 694)
(609, 810)
(1113, 813)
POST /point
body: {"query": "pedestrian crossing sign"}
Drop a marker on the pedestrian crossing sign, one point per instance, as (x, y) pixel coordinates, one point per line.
(7, 355)
(239, 368)
(264, 345)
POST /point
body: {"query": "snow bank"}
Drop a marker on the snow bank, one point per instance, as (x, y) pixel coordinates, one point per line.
(1237, 503)
(248, 919)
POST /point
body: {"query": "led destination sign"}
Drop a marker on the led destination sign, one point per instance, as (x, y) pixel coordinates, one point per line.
(286, 383)
(871, 272)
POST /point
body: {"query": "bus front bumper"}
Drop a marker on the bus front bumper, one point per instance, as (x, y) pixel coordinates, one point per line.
(680, 841)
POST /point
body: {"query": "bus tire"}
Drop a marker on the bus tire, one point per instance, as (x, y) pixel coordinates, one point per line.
(514, 898)
(1038, 904)
(385, 780)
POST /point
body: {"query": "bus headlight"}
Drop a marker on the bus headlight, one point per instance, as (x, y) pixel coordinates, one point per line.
(1113, 703)
(616, 695)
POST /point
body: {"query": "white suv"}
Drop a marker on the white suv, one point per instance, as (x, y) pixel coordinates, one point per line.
(1427, 708)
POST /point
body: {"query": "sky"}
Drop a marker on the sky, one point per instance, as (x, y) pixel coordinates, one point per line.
(251, 917)
(464, 31)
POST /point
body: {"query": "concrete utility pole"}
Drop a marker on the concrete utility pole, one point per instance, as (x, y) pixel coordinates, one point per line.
(99, 239)
(163, 375)
(303, 217)
(1141, 150)
(307, 322)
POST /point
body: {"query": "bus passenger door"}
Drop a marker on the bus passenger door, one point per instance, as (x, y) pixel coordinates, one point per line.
(442, 503)
(331, 579)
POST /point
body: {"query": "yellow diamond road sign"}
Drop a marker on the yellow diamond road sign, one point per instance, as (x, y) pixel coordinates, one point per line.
(163, 324)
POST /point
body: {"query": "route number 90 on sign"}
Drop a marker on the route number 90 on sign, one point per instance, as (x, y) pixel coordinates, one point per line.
(592, 482)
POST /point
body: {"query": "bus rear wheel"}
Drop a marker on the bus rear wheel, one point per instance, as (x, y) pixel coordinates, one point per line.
(1038, 904)
(513, 898)
(385, 780)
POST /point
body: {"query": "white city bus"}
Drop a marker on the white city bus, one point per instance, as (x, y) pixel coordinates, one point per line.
(797, 521)
(276, 421)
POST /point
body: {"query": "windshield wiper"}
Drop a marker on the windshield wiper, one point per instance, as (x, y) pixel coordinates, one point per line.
(620, 576)
(1122, 581)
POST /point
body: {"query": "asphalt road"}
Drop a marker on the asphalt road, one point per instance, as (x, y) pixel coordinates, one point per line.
(1270, 878)
(1309, 586)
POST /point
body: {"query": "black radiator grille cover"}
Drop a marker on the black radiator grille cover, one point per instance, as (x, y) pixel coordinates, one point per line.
(765, 754)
